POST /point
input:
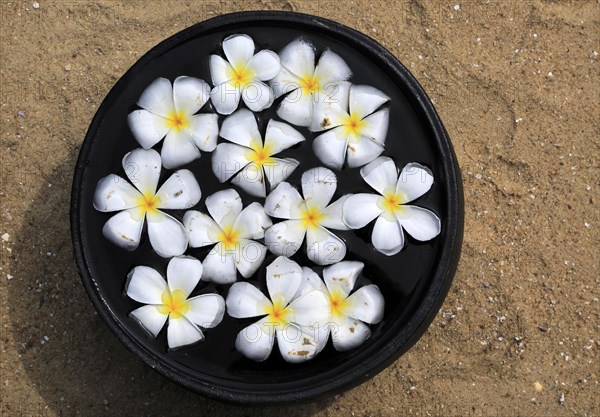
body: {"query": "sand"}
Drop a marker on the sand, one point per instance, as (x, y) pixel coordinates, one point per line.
(517, 86)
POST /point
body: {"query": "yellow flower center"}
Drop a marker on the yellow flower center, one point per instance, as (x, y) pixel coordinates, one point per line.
(229, 237)
(177, 121)
(148, 203)
(338, 302)
(260, 154)
(309, 84)
(353, 125)
(278, 313)
(311, 217)
(174, 303)
(391, 202)
(240, 75)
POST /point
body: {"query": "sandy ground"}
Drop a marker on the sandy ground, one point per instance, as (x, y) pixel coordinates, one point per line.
(516, 84)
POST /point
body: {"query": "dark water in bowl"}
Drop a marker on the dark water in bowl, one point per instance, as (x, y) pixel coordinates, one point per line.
(401, 278)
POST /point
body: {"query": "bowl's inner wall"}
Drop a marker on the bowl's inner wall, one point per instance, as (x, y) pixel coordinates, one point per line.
(401, 278)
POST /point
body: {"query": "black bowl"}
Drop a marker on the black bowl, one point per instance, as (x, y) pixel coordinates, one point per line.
(414, 282)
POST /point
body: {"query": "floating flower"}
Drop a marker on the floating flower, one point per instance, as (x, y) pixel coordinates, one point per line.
(292, 322)
(349, 312)
(169, 300)
(243, 76)
(234, 231)
(310, 216)
(359, 130)
(169, 112)
(390, 208)
(306, 84)
(113, 193)
(252, 158)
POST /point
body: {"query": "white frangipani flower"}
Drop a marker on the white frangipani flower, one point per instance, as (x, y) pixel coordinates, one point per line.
(310, 216)
(243, 76)
(349, 312)
(234, 231)
(359, 131)
(135, 204)
(169, 111)
(292, 322)
(390, 208)
(306, 84)
(250, 158)
(169, 300)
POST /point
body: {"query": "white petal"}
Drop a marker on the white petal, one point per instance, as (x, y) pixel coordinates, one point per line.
(240, 128)
(225, 98)
(204, 131)
(414, 181)
(284, 277)
(147, 128)
(252, 222)
(376, 126)
(224, 206)
(360, 209)
(323, 247)
(249, 257)
(366, 304)
(420, 223)
(219, 266)
(150, 318)
(219, 70)
(296, 345)
(143, 169)
(251, 179)
(190, 94)
(245, 300)
(124, 229)
(311, 309)
(381, 174)
(297, 108)
(183, 273)
(387, 236)
(202, 229)
(114, 193)
(284, 82)
(238, 48)
(348, 334)
(280, 136)
(285, 238)
(206, 310)
(258, 96)
(279, 170)
(333, 217)
(228, 159)
(256, 341)
(318, 186)
(331, 106)
(182, 332)
(167, 235)
(145, 285)
(310, 282)
(330, 148)
(284, 202)
(365, 99)
(342, 276)
(265, 64)
(158, 97)
(178, 149)
(180, 191)
(332, 67)
(362, 152)
(298, 57)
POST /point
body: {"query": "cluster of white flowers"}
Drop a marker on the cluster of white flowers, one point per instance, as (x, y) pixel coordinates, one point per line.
(301, 309)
